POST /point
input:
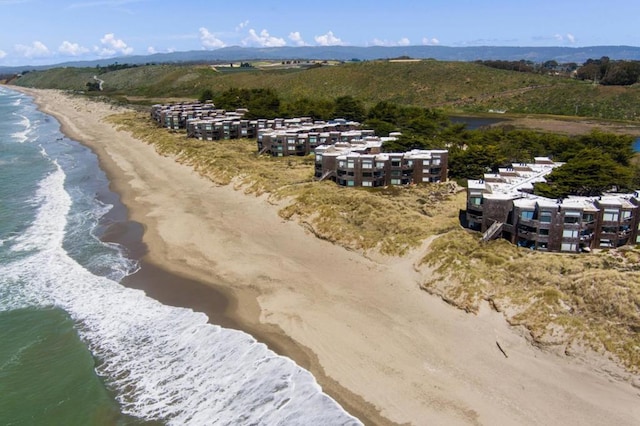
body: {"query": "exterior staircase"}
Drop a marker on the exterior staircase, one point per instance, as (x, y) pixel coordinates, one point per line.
(326, 175)
(492, 231)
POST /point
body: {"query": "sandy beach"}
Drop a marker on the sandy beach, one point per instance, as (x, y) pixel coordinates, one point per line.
(387, 351)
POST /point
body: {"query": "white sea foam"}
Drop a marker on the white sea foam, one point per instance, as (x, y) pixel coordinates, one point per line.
(163, 362)
(23, 135)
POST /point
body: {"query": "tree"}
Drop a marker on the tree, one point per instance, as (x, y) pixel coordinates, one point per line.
(349, 108)
(622, 73)
(590, 173)
(206, 95)
(474, 161)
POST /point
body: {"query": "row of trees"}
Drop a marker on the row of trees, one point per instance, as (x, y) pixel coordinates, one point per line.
(603, 70)
(608, 72)
(530, 66)
(594, 162)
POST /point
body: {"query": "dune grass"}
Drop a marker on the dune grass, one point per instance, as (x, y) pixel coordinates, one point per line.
(389, 220)
(560, 298)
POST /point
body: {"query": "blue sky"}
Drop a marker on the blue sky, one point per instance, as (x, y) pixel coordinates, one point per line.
(37, 32)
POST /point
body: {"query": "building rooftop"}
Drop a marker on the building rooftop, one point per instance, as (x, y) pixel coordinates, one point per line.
(516, 183)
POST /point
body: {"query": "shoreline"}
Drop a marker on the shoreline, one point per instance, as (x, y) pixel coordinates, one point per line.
(386, 351)
(218, 302)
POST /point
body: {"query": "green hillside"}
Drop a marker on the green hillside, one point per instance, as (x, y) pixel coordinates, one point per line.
(452, 86)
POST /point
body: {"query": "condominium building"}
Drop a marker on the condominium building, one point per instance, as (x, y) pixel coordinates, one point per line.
(361, 163)
(502, 205)
(204, 121)
(300, 136)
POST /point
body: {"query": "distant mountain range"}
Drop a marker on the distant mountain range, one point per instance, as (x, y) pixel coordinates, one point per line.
(347, 53)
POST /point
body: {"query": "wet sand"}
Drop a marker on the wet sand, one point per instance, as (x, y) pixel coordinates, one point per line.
(388, 352)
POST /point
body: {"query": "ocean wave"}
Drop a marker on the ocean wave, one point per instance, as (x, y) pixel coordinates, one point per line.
(163, 363)
(22, 136)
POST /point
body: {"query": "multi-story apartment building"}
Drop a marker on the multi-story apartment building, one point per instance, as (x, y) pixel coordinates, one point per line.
(361, 163)
(300, 136)
(502, 205)
(219, 128)
(204, 121)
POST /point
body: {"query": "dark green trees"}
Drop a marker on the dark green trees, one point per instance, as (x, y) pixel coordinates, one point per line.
(590, 172)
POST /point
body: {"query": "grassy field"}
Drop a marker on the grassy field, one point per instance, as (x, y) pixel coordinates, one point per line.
(590, 299)
(452, 86)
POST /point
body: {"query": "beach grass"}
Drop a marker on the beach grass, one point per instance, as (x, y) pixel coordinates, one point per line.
(559, 298)
(390, 220)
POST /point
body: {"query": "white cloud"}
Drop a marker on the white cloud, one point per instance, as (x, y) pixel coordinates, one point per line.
(36, 50)
(570, 38)
(112, 46)
(430, 41)
(72, 49)
(328, 39)
(296, 38)
(264, 39)
(208, 40)
(242, 25)
(402, 42)
(151, 50)
(2, 54)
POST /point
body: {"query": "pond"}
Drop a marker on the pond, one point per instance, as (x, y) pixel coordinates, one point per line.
(474, 123)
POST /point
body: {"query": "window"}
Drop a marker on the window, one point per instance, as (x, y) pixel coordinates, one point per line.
(425, 179)
(610, 215)
(626, 214)
(350, 164)
(571, 217)
(318, 158)
(545, 217)
(588, 217)
(436, 161)
(395, 163)
(342, 163)
(410, 163)
(396, 173)
(568, 247)
(350, 183)
(395, 181)
(380, 164)
(570, 233)
(525, 214)
(474, 200)
(606, 243)
(367, 165)
(367, 183)
(543, 232)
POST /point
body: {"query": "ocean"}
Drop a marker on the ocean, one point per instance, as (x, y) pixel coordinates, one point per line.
(78, 347)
